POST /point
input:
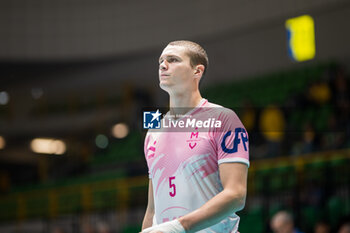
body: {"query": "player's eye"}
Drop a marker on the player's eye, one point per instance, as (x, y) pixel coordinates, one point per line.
(172, 59)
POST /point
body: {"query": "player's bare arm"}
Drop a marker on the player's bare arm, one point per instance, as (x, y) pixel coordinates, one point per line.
(148, 218)
(231, 199)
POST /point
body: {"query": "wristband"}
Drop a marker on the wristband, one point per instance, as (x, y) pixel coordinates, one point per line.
(167, 227)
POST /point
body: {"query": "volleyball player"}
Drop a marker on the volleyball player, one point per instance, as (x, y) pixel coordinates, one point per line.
(198, 178)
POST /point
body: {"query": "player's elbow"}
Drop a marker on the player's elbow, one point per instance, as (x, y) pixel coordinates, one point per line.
(238, 198)
(240, 204)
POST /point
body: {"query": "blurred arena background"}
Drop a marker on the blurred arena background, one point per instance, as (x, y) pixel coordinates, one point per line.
(75, 75)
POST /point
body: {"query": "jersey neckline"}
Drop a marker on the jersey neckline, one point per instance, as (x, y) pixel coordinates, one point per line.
(201, 103)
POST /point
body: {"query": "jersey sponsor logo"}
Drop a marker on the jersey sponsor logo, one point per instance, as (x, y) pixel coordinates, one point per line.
(236, 140)
(192, 145)
(151, 120)
(194, 134)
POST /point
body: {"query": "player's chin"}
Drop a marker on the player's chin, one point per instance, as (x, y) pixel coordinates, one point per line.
(164, 84)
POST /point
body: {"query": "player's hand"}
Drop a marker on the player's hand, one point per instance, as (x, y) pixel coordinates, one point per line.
(167, 227)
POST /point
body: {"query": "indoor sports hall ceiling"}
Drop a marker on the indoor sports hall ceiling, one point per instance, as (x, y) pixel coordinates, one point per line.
(92, 29)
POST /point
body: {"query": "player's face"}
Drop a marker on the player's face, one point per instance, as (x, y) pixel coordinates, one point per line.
(175, 71)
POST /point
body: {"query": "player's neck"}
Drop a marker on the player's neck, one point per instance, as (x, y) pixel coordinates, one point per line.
(182, 103)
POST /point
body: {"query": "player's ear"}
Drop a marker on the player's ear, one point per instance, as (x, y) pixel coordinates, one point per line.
(199, 70)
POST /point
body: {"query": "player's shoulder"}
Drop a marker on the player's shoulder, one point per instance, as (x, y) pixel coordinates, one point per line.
(220, 111)
(152, 134)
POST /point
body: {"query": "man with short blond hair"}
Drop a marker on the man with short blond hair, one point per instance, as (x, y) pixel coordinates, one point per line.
(195, 52)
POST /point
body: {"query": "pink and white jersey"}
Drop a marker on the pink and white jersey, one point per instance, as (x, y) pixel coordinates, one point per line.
(184, 165)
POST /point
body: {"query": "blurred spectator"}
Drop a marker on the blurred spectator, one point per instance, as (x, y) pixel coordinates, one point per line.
(334, 137)
(344, 228)
(103, 227)
(282, 222)
(319, 92)
(308, 138)
(248, 116)
(341, 100)
(307, 144)
(272, 126)
(340, 88)
(5, 182)
(322, 227)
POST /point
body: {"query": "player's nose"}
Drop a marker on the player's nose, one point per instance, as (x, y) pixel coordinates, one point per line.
(163, 65)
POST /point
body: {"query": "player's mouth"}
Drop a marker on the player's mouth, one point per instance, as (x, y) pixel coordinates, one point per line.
(164, 76)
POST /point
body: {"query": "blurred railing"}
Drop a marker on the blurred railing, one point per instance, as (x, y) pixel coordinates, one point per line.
(117, 193)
